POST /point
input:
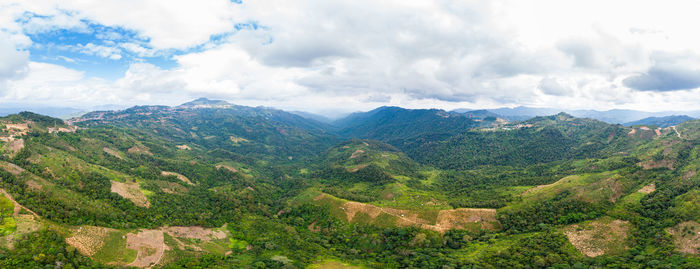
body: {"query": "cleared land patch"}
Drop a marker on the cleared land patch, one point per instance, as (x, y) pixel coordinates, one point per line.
(234, 170)
(149, 245)
(598, 237)
(88, 240)
(139, 150)
(586, 187)
(11, 167)
(473, 219)
(113, 153)
(356, 153)
(179, 176)
(686, 237)
(648, 188)
(130, 191)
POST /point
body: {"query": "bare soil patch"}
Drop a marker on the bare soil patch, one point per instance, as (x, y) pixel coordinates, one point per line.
(11, 167)
(234, 170)
(32, 184)
(179, 176)
(17, 128)
(648, 188)
(598, 237)
(113, 153)
(130, 191)
(356, 168)
(139, 150)
(461, 217)
(88, 239)
(14, 145)
(183, 147)
(651, 164)
(236, 139)
(149, 245)
(195, 232)
(686, 237)
(689, 174)
(356, 153)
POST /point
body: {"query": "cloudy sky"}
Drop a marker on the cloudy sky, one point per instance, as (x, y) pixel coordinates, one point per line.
(338, 55)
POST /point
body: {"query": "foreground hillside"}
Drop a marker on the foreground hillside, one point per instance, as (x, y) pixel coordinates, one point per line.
(209, 184)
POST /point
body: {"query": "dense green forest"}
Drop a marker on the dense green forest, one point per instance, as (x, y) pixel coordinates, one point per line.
(212, 185)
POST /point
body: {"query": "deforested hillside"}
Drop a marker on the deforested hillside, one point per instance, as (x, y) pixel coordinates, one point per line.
(213, 185)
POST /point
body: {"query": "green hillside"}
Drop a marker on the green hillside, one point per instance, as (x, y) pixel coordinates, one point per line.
(210, 184)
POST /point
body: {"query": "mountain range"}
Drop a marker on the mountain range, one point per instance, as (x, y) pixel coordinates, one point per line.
(210, 184)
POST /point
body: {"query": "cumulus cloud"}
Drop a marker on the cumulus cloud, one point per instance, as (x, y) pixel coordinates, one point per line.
(13, 62)
(670, 72)
(330, 54)
(551, 86)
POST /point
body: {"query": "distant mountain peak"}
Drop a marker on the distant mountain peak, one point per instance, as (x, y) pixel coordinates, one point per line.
(563, 115)
(204, 102)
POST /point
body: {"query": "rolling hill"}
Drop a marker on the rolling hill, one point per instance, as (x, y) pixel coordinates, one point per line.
(209, 184)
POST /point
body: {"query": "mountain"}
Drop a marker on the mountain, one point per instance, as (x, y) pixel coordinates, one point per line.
(662, 122)
(203, 122)
(538, 140)
(206, 103)
(313, 116)
(393, 124)
(610, 116)
(209, 184)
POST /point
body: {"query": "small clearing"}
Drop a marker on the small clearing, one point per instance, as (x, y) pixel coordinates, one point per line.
(113, 153)
(195, 232)
(88, 239)
(11, 167)
(676, 130)
(15, 145)
(648, 188)
(183, 147)
(131, 192)
(356, 153)
(139, 150)
(686, 237)
(17, 128)
(598, 237)
(460, 218)
(234, 170)
(150, 247)
(237, 140)
(179, 176)
(356, 168)
(332, 264)
(651, 164)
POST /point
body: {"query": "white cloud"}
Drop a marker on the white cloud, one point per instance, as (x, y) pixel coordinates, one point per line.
(339, 54)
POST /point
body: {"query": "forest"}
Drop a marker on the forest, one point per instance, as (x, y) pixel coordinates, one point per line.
(243, 187)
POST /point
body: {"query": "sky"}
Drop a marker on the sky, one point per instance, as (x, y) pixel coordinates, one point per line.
(338, 56)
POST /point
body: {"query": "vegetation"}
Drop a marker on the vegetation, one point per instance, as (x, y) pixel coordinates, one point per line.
(406, 189)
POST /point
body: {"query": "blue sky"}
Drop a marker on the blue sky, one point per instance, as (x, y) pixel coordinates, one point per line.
(344, 55)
